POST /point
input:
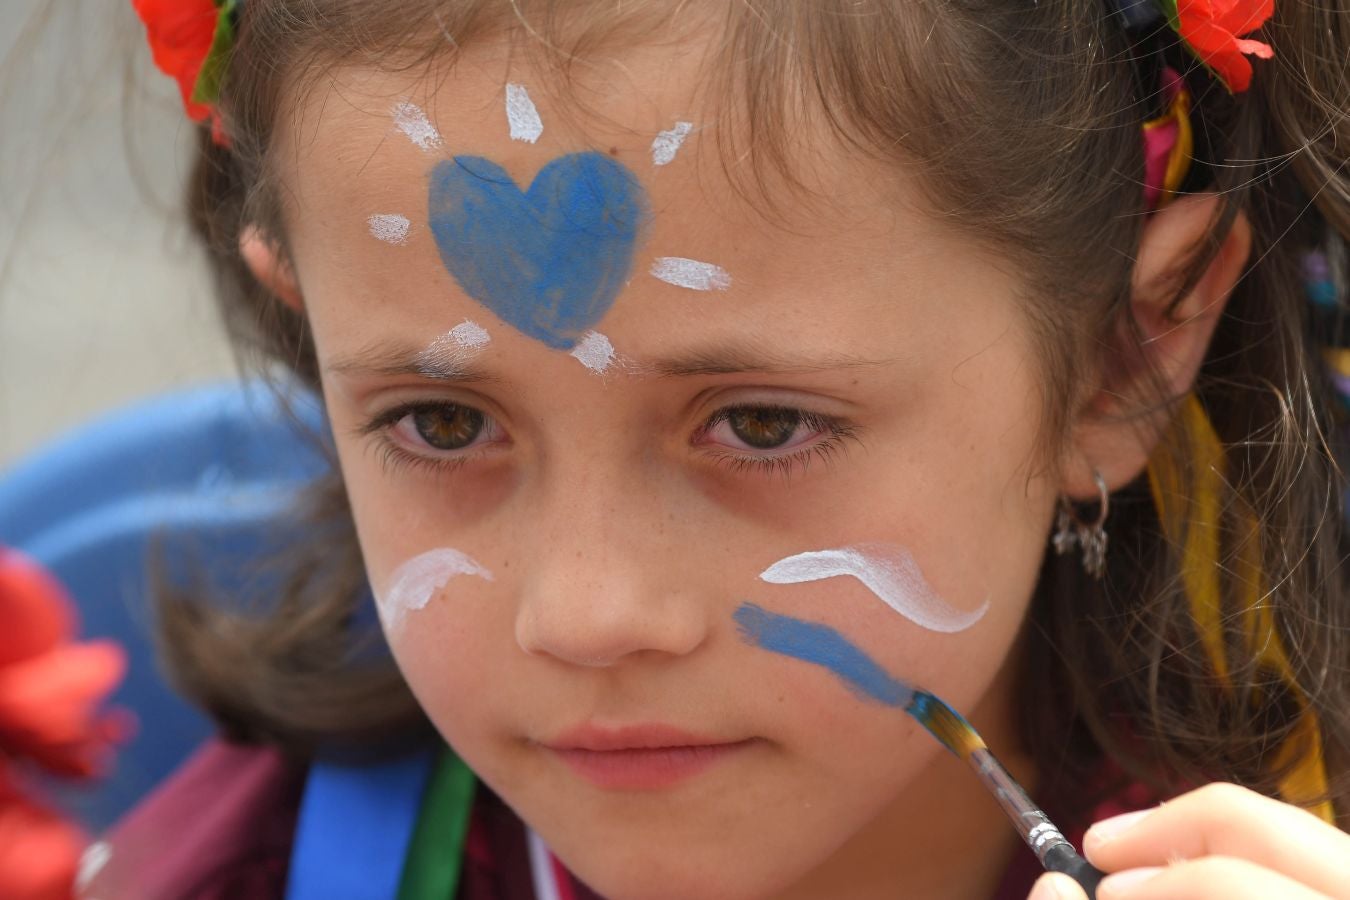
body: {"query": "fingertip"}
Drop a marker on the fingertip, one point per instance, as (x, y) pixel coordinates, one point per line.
(1103, 833)
(1056, 886)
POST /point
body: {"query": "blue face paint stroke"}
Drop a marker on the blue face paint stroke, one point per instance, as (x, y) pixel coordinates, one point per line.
(821, 645)
(549, 261)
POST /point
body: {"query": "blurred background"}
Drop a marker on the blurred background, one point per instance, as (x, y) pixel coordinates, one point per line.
(104, 299)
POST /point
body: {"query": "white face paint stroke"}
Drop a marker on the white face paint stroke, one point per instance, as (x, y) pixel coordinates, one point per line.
(594, 351)
(690, 273)
(416, 581)
(521, 115)
(457, 345)
(887, 571)
(414, 123)
(469, 335)
(390, 228)
(667, 143)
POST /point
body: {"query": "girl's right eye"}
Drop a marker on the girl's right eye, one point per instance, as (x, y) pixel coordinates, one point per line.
(431, 434)
(445, 427)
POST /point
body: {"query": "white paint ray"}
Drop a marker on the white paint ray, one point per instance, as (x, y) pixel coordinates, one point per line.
(690, 273)
(888, 571)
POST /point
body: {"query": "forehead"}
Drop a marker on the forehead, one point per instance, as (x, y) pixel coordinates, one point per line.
(367, 151)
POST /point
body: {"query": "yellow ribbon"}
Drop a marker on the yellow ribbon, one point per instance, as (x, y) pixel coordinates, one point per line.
(1194, 522)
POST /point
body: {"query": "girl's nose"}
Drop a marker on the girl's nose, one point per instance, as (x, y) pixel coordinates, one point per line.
(605, 621)
(603, 588)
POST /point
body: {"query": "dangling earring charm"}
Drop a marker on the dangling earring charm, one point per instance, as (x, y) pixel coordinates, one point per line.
(1070, 531)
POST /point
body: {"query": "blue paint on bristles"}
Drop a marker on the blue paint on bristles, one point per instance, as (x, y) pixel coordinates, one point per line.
(821, 645)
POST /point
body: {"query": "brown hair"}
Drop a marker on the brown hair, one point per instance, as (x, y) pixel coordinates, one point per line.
(1023, 121)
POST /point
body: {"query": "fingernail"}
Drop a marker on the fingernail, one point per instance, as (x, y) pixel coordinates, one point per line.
(1110, 829)
(1121, 883)
(1054, 886)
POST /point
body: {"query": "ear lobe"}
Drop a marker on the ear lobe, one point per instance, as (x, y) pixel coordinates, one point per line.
(1111, 435)
(273, 270)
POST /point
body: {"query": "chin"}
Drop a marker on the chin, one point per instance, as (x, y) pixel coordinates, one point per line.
(703, 886)
(668, 874)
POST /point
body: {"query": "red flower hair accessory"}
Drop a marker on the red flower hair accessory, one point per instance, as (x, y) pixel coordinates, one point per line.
(50, 692)
(191, 41)
(1212, 30)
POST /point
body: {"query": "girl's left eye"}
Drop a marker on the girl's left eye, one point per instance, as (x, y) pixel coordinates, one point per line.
(775, 438)
(756, 428)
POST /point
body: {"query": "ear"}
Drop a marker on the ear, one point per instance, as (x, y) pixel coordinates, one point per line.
(270, 266)
(1111, 435)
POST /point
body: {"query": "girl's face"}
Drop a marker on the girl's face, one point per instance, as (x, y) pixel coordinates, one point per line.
(568, 474)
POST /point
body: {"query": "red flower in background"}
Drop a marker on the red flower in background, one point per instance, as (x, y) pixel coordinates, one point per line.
(1213, 29)
(50, 690)
(180, 34)
(39, 850)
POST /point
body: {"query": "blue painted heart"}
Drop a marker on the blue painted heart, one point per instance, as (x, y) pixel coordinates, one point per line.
(549, 261)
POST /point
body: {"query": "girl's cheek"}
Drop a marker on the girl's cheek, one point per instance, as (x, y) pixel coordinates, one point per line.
(422, 503)
(445, 627)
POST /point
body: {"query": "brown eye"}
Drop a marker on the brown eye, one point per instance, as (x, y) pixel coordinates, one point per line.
(448, 427)
(764, 429)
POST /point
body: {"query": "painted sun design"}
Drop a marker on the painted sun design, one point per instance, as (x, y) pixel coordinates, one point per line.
(593, 349)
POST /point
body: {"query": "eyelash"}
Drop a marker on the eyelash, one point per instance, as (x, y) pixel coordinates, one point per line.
(835, 435)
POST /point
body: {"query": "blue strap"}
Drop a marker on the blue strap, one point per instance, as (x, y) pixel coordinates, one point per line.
(356, 822)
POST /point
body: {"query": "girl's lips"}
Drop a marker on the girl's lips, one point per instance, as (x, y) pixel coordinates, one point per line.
(640, 757)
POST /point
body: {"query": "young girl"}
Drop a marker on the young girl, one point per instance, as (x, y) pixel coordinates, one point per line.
(705, 378)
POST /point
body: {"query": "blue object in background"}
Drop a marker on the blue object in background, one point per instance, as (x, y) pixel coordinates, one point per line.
(201, 476)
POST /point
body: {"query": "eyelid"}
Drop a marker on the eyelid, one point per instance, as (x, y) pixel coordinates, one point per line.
(391, 416)
(833, 435)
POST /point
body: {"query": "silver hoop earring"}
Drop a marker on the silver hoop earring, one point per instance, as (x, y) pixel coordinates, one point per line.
(1071, 531)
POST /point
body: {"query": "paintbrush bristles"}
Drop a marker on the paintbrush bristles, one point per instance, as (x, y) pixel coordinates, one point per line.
(945, 724)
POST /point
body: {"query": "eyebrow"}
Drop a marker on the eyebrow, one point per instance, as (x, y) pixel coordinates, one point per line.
(733, 359)
(394, 359)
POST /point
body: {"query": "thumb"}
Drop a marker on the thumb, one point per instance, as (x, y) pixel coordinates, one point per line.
(1056, 886)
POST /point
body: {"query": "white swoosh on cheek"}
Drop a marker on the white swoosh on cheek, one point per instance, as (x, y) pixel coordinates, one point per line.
(887, 571)
(416, 581)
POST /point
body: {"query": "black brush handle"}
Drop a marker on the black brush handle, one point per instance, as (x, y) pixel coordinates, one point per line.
(1062, 858)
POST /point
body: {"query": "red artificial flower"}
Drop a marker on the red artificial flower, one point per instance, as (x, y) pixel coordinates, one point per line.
(180, 34)
(1213, 29)
(39, 851)
(50, 688)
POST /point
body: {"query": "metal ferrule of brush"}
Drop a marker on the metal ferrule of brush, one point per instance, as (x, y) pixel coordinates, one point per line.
(1036, 828)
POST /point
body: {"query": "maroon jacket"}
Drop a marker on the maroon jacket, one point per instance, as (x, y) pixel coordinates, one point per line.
(221, 828)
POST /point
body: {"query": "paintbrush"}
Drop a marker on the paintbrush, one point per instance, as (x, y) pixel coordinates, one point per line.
(1045, 840)
(821, 645)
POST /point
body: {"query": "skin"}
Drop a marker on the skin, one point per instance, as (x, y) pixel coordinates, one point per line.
(622, 533)
(1218, 841)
